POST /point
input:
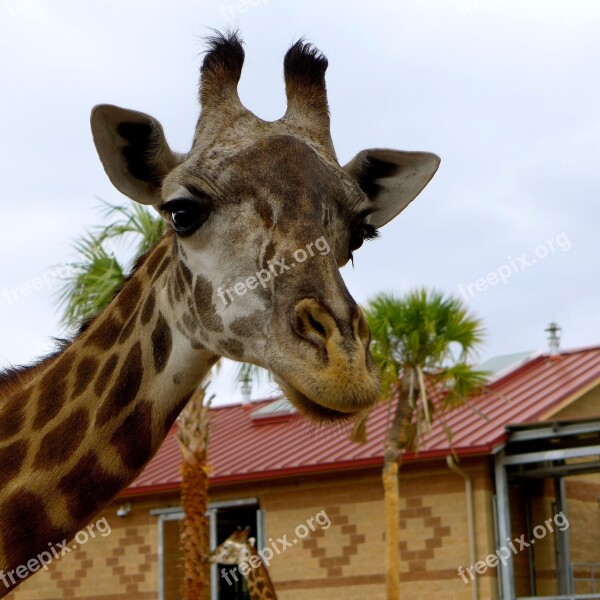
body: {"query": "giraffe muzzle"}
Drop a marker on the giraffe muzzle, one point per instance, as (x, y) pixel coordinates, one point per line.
(332, 376)
(315, 323)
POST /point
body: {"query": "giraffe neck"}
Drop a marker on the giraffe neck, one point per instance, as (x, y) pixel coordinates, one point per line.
(80, 426)
(260, 585)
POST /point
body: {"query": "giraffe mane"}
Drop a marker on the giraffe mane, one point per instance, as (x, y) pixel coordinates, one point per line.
(138, 263)
(14, 377)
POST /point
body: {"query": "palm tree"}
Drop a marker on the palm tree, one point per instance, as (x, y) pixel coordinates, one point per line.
(193, 441)
(94, 280)
(423, 343)
(97, 275)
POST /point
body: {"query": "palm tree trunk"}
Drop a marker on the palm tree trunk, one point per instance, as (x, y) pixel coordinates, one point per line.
(193, 441)
(396, 440)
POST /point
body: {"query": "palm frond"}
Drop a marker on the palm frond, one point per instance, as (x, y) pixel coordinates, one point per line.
(133, 222)
(460, 381)
(92, 282)
(252, 372)
(96, 275)
(430, 339)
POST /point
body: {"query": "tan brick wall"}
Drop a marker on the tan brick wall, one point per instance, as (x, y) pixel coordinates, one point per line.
(586, 407)
(121, 566)
(343, 562)
(583, 492)
(347, 560)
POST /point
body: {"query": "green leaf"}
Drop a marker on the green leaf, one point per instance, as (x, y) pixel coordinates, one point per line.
(92, 282)
(429, 333)
(96, 276)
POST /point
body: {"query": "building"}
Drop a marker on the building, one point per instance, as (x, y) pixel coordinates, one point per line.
(526, 459)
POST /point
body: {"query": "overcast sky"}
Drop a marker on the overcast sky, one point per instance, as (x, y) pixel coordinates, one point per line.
(506, 92)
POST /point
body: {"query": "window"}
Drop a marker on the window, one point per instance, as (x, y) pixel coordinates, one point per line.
(224, 518)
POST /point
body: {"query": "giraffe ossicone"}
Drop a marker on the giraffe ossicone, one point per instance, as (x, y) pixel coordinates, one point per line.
(78, 427)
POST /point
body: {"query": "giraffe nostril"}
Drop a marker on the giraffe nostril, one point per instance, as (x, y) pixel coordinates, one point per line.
(313, 322)
(361, 328)
(317, 326)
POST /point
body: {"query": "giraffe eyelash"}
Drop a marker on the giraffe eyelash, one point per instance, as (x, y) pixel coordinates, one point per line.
(362, 232)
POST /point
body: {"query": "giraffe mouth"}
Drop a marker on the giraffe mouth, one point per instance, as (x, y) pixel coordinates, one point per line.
(314, 411)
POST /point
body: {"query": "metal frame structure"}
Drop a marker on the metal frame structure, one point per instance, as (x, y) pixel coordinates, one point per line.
(552, 450)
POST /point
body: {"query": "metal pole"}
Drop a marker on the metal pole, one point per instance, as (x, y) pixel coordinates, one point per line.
(214, 576)
(470, 520)
(505, 571)
(563, 559)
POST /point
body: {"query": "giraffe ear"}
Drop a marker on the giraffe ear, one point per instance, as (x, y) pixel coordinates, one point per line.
(391, 179)
(252, 542)
(133, 151)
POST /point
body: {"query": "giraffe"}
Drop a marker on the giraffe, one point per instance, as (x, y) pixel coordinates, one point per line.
(79, 425)
(238, 549)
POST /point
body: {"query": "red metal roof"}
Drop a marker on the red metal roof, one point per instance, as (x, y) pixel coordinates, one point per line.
(246, 448)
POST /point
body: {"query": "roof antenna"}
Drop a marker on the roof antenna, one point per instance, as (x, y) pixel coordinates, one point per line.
(553, 331)
(245, 379)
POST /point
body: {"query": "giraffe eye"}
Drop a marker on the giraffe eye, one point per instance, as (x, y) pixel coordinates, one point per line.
(359, 234)
(356, 240)
(186, 215)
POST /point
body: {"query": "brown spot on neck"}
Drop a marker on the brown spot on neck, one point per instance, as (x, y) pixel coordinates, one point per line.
(162, 267)
(207, 313)
(155, 259)
(128, 328)
(88, 487)
(234, 348)
(31, 530)
(105, 375)
(181, 280)
(187, 274)
(162, 344)
(129, 296)
(105, 333)
(247, 326)
(12, 414)
(148, 308)
(11, 460)
(189, 323)
(125, 388)
(133, 439)
(84, 374)
(61, 442)
(52, 391)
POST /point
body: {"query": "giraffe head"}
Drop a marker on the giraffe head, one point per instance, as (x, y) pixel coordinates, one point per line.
(262, 216)
(235, 550)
